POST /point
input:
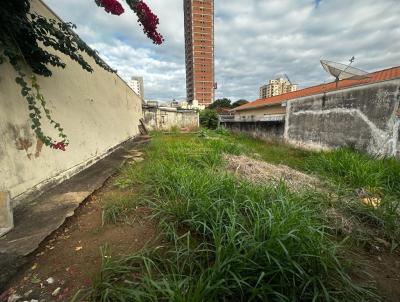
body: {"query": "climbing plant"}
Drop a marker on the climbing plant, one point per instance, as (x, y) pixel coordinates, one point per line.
(25, 38)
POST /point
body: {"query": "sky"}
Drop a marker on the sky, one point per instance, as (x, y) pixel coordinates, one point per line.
(255, 41)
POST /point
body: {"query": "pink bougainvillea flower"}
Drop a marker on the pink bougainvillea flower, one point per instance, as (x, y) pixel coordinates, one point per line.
(58, 146)
(147, 19)
(111, 6)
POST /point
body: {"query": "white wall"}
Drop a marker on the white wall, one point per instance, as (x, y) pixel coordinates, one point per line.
(97, 111)
(166, 118)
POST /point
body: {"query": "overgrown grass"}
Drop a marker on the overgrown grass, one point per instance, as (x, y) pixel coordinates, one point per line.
(117, 206)
(228, 240)
(367, 177)
(359, 171)
(273, 151)
(356, 176)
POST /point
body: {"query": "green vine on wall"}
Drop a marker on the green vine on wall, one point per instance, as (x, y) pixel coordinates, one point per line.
(21, 34)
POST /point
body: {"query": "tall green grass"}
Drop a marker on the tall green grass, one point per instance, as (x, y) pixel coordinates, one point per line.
(367, 177)
(273, 151)
(228, 240)
(357, 170)
(117, 206)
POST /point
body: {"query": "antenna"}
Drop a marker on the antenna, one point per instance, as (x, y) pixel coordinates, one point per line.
(343, 72)
(286, 76)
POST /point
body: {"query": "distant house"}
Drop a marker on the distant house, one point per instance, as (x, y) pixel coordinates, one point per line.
(276, 105)
(362, 113)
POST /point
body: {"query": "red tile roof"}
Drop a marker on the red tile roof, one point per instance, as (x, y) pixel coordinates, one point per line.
(373, 77)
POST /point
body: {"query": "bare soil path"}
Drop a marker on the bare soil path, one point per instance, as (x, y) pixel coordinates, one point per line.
(70, 257)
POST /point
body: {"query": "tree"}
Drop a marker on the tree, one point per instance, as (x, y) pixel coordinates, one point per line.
(208, 118)
(220, 103)
(239, 103)
(22, 37)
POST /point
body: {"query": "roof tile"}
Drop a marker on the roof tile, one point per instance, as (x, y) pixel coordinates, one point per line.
(373, 77)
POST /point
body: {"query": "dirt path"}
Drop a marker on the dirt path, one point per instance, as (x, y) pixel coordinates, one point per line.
(68, 259)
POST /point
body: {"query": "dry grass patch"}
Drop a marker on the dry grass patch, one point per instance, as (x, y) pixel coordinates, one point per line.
(265, 173)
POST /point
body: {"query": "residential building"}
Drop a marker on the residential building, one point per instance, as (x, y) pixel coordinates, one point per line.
(276, 87)
(136, 83)
(263, 91)
(151, 103)
(371, 78)
(174, 104)
(199, 50)
(361, 113)
(192, 105)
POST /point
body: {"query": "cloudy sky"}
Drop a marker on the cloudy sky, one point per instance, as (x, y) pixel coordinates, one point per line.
(255, 40)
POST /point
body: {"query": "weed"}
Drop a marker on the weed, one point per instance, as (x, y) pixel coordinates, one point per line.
(117, 206)
(357, 170)
(203, 133)
(175, 129)
(222, 131)
(228, 240)
(368, 178)
(273, 151)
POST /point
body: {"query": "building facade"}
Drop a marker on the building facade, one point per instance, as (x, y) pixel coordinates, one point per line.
(363, 114)
(263, 91)
(276, 87)
(199, 50)
(136, 83)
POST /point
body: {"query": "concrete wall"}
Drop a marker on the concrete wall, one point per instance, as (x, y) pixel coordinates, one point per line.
(363, 117)
(261, 130)
(97, 110)
(159, 118)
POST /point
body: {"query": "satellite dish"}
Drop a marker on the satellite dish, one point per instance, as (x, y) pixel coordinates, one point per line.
(343, 72)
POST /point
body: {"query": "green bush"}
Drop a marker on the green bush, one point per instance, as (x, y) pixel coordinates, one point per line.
(208, 118)
(223, 131)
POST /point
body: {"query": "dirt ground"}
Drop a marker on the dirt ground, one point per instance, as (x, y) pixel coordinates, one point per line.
(71, 256)
(384, 268)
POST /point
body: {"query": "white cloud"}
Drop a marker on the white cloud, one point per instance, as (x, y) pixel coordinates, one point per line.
(254, 41)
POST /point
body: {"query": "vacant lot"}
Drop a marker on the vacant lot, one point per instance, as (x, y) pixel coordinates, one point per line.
(230, 218)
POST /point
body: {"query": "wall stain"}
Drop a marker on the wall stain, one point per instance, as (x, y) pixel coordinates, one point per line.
(39, 146)
(21, 136)
(23, 144)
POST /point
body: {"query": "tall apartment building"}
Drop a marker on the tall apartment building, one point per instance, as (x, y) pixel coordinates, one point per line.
(199, 50)
(276, 87)
(136, 83)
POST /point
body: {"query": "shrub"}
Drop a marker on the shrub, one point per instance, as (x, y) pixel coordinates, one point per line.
(208, 118)
(222, 131)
